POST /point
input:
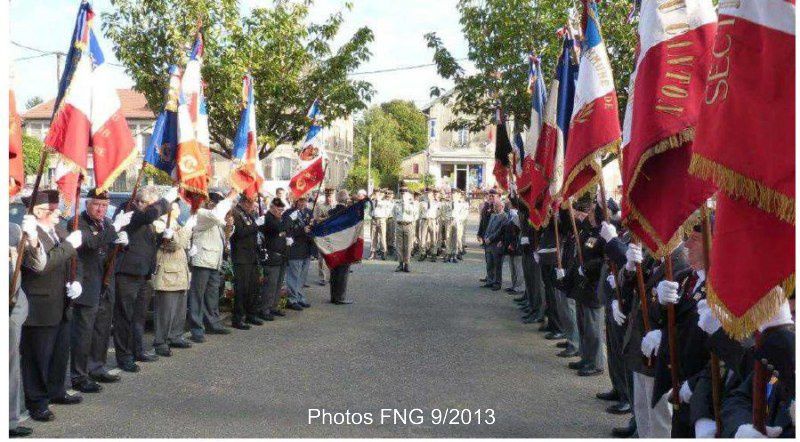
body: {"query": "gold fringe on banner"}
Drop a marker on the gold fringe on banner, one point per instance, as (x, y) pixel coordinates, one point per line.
(744, 326)
(592, 161)
(664, 249)
(123, 166)
(740, 186)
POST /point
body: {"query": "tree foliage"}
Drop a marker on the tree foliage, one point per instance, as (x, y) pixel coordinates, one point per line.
(32, 149)
(398, 129)
(501, 34)
(359, 176)
(413, 123)
(291, 60)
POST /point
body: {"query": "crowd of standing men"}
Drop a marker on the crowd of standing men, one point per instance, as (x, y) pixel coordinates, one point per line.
(85, 281)
(428, 225)
(598, 318)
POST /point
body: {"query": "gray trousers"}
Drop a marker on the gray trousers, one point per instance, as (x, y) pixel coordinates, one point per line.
(379, 235)
(405, 240)
(592, 352)
(170, 317)
(15, 394)
(567, 319)
(620, 376)
(203, 300)
(534, 286)
(391, 234)
(517, 279)
(271, 288)
(130, 312)
(296, 274)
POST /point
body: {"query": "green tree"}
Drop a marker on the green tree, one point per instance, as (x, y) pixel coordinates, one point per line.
(388, 149)
(358, 176)
(33, 102)
(501, 34)
(31, 154)
(290, 58)
(413, 123)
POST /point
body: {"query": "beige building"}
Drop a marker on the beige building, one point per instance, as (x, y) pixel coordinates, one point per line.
(454, 159)
(278, 167)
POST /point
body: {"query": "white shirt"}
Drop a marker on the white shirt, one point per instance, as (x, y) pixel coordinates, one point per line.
(383, 209)
(430, 209)
(460, 211)
(405, 212)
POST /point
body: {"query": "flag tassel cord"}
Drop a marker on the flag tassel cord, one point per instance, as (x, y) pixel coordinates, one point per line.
(739, 186)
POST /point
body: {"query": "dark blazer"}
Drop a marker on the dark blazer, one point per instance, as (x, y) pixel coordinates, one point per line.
(583, 288)
(653, 274)
(486, 213)
(244, 240)
(691, 340)
(46, 289)
(302, 246)
(138, 258)
(92, 254)
(275, 239)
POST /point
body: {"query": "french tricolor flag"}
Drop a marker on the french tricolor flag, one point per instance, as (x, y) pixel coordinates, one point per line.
(594, 126)
(340, 238)
(247, 176)
(310, 170)
(88, 112)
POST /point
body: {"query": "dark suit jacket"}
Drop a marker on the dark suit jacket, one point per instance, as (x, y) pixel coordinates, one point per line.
(92, 255)
(46, 289)
(302, 246)
(275, 239)
(138, 258)
(244, 241)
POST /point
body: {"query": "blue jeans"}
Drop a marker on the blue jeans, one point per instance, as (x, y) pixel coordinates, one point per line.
(296, 273)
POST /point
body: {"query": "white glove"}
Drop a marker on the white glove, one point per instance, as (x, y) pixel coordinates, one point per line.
(667, 292)
(634, 256)
(560, 274)
(29, 226)
(293, 216)
(619, 318)
(536, 257)
(612, 281)
(289, 241)
(122, 239)
(191, 222)
(685, 393)
(651, 342)
(705, 428)
(748, 431)
(74, 289)
(706, 319)
(261, 220)
(171, 194)
(168, 233)
(75, 238)
(580, 270)
(783, 317)
(121, 220)
(192, 250)
(607, 231)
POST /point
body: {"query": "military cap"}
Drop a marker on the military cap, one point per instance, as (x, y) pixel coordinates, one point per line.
(46, 196)
(583, 204)
(277, 202)
(329, 190)
(97, 195)
(215, 197)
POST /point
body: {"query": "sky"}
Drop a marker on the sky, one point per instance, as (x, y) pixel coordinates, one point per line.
(398, 25)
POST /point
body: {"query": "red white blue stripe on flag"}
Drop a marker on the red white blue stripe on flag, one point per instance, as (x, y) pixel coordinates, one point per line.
(340, 237)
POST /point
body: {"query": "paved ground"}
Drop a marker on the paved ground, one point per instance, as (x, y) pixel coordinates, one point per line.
(430, 340)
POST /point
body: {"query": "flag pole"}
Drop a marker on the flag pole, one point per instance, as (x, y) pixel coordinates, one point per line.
(604, 205)
(109, 265)
(575, 233)
(319, 187)
(76, 210)
(556, 216)
(716, 381)
(12, 299)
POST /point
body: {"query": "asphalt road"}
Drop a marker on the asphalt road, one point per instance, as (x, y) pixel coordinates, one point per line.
(429, 340)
